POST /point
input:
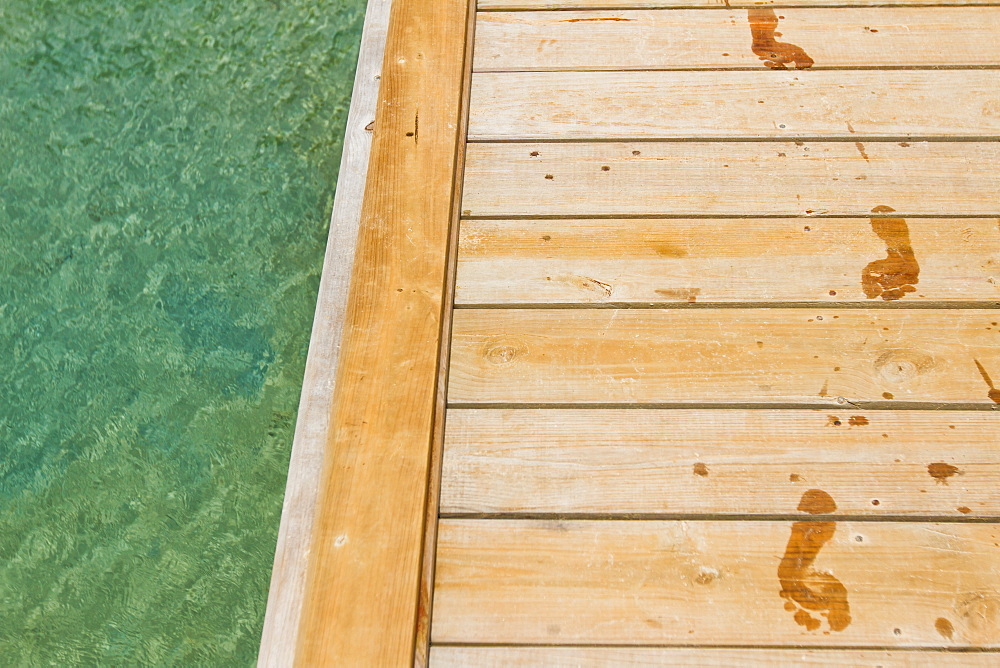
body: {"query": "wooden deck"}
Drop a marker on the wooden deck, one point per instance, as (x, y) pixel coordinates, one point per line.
(677, 345)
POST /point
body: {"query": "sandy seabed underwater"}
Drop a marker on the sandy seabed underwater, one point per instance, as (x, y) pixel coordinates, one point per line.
(167, 169)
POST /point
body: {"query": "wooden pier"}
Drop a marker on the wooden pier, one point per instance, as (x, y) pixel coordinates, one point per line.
(672, 339)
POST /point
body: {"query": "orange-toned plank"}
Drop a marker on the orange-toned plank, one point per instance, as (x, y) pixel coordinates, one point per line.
(720, 462)
(696, 657)
(727, 178)
(707, 38)
(667, 105)
(813, 582)
(719, 260)
(788, 355)
(362, 587)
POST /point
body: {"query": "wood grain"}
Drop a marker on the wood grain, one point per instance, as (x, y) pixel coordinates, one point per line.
(781, 104)
(715, 260)
(700, 657)
(704, 462)
(690, 39)
(787, 355)
(722, 5)
(298, 515)
(715, 582)
(365, 565)
(723, 178)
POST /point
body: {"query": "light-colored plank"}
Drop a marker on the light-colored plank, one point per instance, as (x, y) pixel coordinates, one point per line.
(710, 355)
(724, 178)
(288, 576)
(688, 39)
(749, 462)
(700, 657)
(865, 584)
(720, 260)
(371, 509)
(720, 105)
(611, 5)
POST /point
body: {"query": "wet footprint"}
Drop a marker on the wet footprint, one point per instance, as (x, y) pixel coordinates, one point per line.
(807, 591)
(763, 23)
(896, 275)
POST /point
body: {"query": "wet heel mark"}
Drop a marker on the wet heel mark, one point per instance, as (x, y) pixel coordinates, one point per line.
(807, 591)
(776, 55)
(895, 276)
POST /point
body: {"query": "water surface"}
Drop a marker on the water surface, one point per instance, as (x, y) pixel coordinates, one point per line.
(167, 173)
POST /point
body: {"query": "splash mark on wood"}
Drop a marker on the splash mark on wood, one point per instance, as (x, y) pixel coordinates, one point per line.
(895, 276)
(941, 471)
(861, 149)
(805, 589)
(994, 393)
(776, 55)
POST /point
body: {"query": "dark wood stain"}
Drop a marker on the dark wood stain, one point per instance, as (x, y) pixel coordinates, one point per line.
(895, 276)
(805, 589)
(794, 477)
(857, 420)
(700, 470)
(944, 627)
(690, 295)
(994, 393)
(776, 55)
(861, 149)
(965, 510)
(888, 395)
(941, 471)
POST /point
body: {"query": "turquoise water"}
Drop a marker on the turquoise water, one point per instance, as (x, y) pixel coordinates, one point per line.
(166, 174)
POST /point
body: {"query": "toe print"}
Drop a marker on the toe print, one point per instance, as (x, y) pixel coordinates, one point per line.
(810, 593)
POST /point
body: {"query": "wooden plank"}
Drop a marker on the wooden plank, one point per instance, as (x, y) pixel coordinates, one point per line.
(788, 355)
(722, 5)
(371, 510)
(694, 178)
(700, 657)
(690, 39)
(709, 462)
(812, 582)
(717, 260)
(288, 576)
(721, 105)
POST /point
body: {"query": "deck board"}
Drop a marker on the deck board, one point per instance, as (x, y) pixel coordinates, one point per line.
(718, 582)
(789, 355)
(712, 462)
(701, 657)
(831, 104)
(760, 260)
(694, 178)
(722, 5)
(389, 370)
(704, 39)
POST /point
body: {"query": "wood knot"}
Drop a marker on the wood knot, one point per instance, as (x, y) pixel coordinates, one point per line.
(504, 352)
(902, 366)
(979, 617)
